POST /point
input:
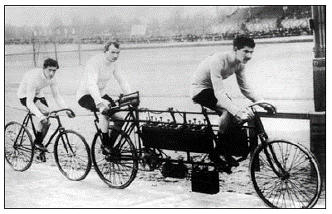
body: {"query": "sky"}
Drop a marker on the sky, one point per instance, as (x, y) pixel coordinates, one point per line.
(42, 15)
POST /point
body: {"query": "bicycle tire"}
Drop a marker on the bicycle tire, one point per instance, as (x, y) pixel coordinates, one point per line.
(72, 155)
(301, 185)
(18, 156)
(119, 169)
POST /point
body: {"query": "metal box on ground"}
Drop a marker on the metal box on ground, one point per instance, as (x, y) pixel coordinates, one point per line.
(205, 181)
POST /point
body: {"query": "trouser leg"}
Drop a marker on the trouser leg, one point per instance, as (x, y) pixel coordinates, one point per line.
(41, 128)
(110, 138)
(224, 121)
(118, 123)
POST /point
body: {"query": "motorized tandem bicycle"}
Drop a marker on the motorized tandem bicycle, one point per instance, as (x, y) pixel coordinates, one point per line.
(284, 174)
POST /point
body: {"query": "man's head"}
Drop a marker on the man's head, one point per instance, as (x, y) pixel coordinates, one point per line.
(50, 67)
(112, 51)
(244, 48)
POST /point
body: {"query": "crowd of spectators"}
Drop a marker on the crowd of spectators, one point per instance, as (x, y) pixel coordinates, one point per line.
(259, 29)
(260, 24)
(256, 22)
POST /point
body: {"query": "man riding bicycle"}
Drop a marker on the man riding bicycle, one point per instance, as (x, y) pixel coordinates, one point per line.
(31, 96)
(92, 95)
(207, 87)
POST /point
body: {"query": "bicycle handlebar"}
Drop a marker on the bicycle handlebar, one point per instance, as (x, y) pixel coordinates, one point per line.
(55, 112)
(122, 101)
(274, 109)
(125, 100)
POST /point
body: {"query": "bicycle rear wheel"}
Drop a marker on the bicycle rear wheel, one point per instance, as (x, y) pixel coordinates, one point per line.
(119, 168)
(286, 175)
(72, 155)
(18, 146)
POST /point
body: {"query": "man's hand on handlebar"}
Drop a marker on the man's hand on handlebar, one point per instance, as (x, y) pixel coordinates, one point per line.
(43, 120)
(135, 102)
(269, 108)
(244, 115)
(103, 106)
(132, 99)
(70, 114)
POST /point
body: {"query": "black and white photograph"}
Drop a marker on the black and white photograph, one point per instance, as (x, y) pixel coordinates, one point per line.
(164, 106)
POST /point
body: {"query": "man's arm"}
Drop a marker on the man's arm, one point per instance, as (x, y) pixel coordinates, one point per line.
(121, 80)
(216, 67)
(92, 78)
(248, 91)
(31, 92)
(246, 88)
(56, 94)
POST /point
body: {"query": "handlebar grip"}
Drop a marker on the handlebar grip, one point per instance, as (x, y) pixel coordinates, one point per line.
(72, 112)
(273, 111)
(128, 97)
(53, 113)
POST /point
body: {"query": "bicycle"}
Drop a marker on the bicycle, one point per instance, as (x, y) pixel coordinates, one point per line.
(71, 152)
(284, 174)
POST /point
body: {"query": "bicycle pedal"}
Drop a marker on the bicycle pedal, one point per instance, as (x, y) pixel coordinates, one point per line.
(231, 161)
(41, 148)
(106, 150)
(41, 157)
(220, 164)
(222, 168)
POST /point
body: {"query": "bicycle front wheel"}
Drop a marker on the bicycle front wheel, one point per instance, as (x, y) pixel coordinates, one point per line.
(119, 168)
(286, 175)
(72, 155)
(18, 146)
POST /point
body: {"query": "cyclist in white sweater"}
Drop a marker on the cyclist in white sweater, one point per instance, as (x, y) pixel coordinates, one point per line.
(207, 87)
(31, 95)
(92, 94)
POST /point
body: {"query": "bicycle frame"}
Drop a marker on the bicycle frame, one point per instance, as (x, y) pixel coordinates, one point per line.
(96, 121)
(28, 118)
(149, 141)
(132, 122)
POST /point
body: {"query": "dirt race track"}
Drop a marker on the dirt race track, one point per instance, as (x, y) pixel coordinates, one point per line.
(43, 186)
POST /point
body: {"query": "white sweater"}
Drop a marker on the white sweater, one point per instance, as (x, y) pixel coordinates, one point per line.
(211, 73)
(97, 75)
(32, 84)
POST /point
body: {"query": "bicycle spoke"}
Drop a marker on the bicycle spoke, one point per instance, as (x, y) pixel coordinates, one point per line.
(295, 158)
(298, 192)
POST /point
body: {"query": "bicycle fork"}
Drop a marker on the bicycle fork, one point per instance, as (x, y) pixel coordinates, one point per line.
(66, 144)
(271, 157)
